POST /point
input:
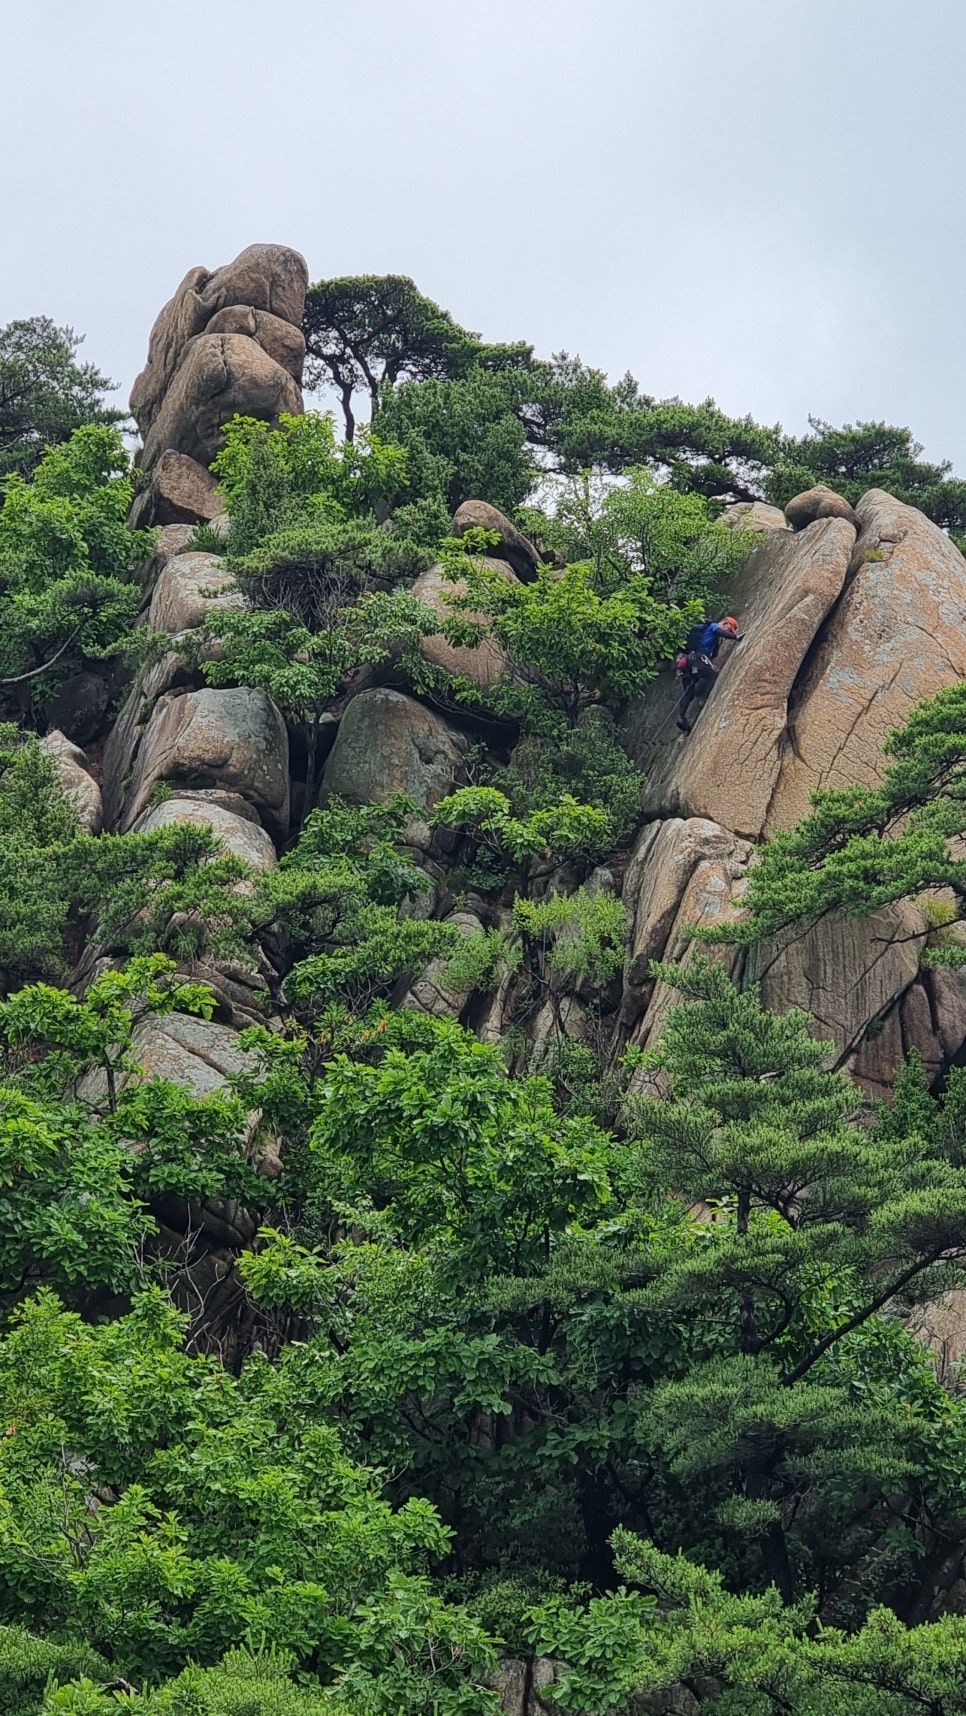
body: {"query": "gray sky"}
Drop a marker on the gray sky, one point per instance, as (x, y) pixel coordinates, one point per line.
(759, 200)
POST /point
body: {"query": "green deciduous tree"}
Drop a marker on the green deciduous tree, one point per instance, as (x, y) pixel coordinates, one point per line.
(67, 559)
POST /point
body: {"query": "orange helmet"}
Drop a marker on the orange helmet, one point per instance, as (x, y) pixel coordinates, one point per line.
(729, 624)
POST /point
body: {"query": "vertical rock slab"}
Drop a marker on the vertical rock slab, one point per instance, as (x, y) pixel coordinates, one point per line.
(898, 635)
(846, 972)
(728, 768)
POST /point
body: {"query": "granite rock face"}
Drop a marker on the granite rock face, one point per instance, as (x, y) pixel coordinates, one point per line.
(511, 544)
(219, 375)
(234, 740)
(228, 341)
(76, 781)
(842, 635)
(388, 743)
(898, 635)
(819, 502)
(180, 491)
(729, 768)
(265, 277)
(188, 589)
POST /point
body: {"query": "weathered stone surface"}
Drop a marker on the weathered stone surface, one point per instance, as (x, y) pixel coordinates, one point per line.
(818, 502)
(265, 276)
(182, 317)
(513, 546)
(178, 604)
(846, 972)
(898, 635)
(389, 743)
(484, 664)
(755, 515)
(180, 491)
(219, 375)
(662, 864)
(234, 740)
(282, 341)
(879, 1053)
(76, 780)
(728, 768)
(947, 994)
(236, 834)
(195, 1052)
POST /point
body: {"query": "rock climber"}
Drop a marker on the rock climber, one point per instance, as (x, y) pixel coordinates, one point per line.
(698, 664)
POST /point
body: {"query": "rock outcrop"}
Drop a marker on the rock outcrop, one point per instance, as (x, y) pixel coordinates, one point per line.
(228, 341)
(843, 634)
(388, 743)
(729, 768)
(234, 740)
(847, 626)
(819, 502)
(180, 492)
(898, 635)
(219, 375)
(237, 830)
(511, 544)
(75, 778)
(188, 588)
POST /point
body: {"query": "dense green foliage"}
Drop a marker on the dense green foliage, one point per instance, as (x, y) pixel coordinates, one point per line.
(45, 393)
(438, 1329)
(869, 456)
(67, 559)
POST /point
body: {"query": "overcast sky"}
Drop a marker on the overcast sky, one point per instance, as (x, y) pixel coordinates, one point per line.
(760, 200)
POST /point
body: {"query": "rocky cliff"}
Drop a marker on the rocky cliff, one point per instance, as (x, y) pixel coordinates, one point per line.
(849, 619)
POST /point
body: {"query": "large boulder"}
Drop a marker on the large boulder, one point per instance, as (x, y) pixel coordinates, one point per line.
(388, 743)
(180, 491)
(239, 835)
(898, 635)
(818, 502)
(511, 546)
(233, 739)
(485, 663)
(219, 375)
(265, 277)
(188, 588)
(729, 768)
(76, 781)
(754, 515)
(282, 341)
(198, 1053)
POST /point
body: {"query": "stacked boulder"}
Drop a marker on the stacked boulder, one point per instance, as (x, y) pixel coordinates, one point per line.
(228, 341)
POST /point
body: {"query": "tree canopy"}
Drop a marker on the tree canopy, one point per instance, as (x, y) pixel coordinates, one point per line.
(45, 391)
